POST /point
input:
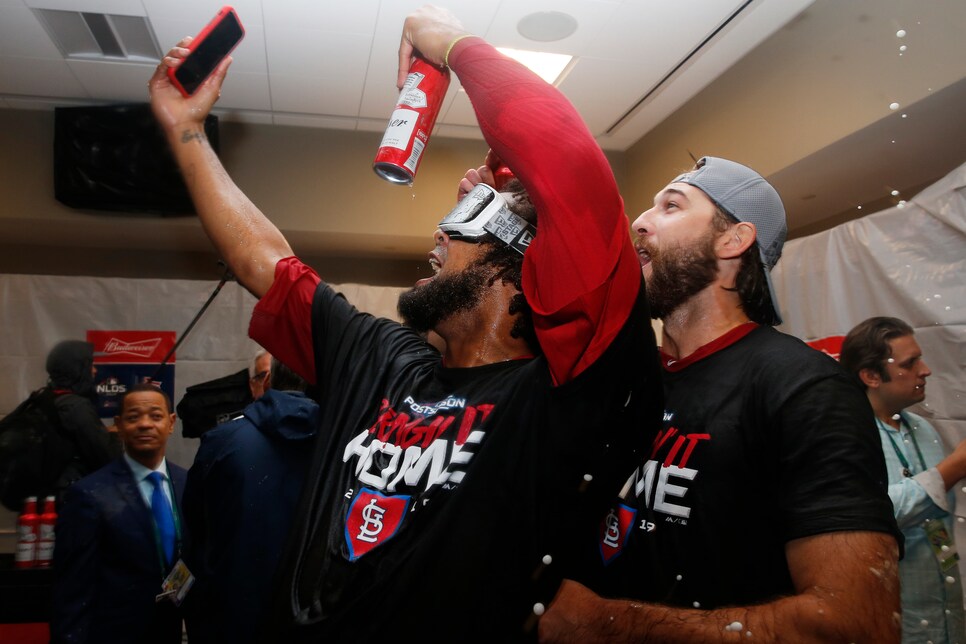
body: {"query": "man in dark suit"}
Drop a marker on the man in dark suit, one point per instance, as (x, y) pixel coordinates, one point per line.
(112, 549)
(239, 502)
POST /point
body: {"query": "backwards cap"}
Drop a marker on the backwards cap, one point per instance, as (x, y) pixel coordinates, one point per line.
(744, 195)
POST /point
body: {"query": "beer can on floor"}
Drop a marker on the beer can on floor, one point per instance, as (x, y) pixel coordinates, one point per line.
(411, 123)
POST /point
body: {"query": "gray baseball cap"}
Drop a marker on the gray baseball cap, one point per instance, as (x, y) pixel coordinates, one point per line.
(744, 195)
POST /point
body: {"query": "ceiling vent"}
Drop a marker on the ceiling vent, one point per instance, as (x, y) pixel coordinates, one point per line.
(100, 36)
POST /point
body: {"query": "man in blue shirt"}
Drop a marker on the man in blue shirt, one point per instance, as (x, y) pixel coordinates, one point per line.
(885, 356)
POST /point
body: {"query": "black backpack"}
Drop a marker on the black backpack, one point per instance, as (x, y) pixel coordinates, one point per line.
(33, 450)
(211, 403)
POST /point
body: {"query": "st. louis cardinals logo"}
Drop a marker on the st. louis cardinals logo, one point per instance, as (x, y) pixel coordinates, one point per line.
(372, 520)
(421, 447)
(616, 528)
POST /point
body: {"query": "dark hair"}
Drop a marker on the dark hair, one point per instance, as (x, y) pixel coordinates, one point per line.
(141, 387)
(750, 283)
(867, 345)
(284, 379)
(69, 366)
(509, 265)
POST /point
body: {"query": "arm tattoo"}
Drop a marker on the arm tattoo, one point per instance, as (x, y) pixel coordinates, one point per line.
(187, 136)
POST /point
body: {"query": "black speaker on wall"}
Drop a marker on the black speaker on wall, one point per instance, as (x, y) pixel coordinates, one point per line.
(115, 158)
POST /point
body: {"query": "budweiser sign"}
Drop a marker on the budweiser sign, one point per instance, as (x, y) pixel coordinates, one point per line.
(131, 346)
(141, 348)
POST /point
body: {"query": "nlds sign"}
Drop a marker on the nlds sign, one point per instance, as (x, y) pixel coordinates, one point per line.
(125, 358)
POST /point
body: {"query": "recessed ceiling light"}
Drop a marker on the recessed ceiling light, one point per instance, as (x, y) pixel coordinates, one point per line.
(549, 67)
(547, 26)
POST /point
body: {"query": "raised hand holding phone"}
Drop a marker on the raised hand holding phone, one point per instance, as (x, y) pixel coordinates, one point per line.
(207, 50)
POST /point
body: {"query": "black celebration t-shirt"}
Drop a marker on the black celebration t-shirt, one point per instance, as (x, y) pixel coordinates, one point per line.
(444, 503)
(764, 440)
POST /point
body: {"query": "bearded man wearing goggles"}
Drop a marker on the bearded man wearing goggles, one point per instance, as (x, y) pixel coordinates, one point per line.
(449, 492)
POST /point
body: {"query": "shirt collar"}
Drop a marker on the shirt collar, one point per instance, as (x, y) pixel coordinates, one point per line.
(677, 364)
(140, 471)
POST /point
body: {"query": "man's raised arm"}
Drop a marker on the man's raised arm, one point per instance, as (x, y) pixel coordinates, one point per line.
(248, 242)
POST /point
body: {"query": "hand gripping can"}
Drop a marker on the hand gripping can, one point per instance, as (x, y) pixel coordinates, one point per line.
(411, 123)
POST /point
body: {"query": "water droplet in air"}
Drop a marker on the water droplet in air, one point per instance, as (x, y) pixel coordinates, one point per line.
(904, 115)
(733, 626)
(945, 548)
(938, 296)
(924, 623)
(901, 33)
(891, 360)
(895, 193)
(679, 577)
(947, 308)
(696, 604)
(588, 477)
(895, 416)
(547, 560)
(903, 48)
(538, 609)
(893, 106)
(950, 580)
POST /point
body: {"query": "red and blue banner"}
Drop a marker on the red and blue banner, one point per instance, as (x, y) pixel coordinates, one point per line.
(126, 358)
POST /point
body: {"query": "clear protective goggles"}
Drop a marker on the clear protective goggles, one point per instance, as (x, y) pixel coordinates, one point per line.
(484, 210)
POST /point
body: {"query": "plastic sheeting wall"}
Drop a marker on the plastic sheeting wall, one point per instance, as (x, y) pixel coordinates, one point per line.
(908, 263)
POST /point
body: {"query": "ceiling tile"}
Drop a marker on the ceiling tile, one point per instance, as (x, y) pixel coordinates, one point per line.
(119, 7)
(244, 91)
(113, 81)
(591, 16)
(200, 12)
(358, 17)
(248, 56)
(21, 34)
(37, 77)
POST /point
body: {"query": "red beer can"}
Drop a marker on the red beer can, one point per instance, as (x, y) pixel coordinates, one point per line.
(411, 123)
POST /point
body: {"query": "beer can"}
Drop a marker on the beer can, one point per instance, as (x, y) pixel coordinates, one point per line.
(411, 123)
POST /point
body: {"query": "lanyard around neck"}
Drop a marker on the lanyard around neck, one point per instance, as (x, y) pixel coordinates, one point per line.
(895, 446)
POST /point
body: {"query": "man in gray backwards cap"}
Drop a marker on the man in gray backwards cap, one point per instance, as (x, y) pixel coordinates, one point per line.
(761, 510)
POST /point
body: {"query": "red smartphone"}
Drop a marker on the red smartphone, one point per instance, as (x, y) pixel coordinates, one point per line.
(207, 50)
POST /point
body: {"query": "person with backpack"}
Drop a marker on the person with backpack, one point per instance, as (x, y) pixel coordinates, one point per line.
(55, 437)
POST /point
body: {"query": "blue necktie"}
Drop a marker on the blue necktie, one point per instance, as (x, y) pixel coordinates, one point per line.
(163, 518)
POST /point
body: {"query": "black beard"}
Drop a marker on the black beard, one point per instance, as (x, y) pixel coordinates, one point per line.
(679, 273)
(424, 307)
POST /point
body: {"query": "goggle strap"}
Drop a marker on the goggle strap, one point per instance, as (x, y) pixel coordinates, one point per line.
(512, 229)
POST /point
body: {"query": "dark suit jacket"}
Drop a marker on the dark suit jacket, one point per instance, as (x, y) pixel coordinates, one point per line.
(106, 563)
(238, 507)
